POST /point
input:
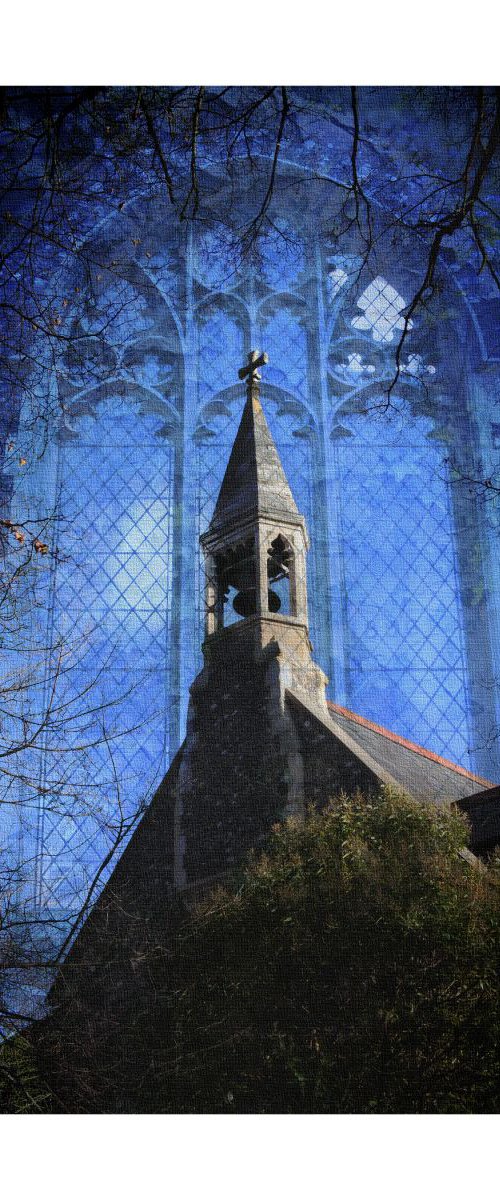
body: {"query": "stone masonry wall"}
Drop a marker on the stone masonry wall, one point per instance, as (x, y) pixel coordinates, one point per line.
(237, 780)
(329, 766)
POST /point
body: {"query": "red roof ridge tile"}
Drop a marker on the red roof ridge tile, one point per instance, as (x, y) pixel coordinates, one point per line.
(401, 741)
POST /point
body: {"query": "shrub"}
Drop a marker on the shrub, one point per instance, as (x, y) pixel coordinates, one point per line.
(355, 969)
(352, 968)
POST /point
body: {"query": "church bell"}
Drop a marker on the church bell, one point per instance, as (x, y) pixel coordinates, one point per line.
(240, 574)
(245, 602)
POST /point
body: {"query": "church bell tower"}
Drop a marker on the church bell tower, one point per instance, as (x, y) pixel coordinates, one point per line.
(242, 768)
(255, 554)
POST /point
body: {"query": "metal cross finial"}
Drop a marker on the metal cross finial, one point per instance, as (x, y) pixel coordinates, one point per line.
(251, 372)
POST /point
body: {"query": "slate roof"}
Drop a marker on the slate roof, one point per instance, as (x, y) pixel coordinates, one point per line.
(145, 870)
(424, 774)
(254, 482)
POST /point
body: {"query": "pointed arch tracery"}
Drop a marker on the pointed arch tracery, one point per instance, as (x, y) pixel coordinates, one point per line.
(404, 652)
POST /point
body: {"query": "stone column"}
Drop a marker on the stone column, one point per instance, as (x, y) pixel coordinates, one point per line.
(261, 581)
(213, 601)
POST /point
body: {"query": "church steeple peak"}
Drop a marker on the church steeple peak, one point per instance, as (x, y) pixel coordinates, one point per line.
(255, 483)
(255, 546)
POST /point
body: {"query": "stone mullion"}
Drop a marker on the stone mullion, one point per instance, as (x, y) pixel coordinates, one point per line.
(298, 581)
(185, 524)
(484, 400)
(52, 469)
(173, 688)
(479, 581)
(327, 589)
(262, 540)
(460, 425)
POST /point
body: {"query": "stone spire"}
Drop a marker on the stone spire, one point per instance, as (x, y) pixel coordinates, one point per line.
(243, 763)
(256, 543)
(255, 484)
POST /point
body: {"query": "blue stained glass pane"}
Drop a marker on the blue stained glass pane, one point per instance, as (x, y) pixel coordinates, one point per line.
(220, 351)
(404, 654)
(285, 340)
(281, 255)
(112, 605)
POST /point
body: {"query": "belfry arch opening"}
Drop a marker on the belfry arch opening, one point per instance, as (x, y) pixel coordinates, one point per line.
(281, 577)
(236, 583)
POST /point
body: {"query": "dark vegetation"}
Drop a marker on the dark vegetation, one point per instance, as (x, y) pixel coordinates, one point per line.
(352, 968)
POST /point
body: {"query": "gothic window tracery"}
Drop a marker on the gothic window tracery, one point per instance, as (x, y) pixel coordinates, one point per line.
(284, 335)
(375, 484)
(382, 306)
(404, 655)
(280, 255)
(362, 349)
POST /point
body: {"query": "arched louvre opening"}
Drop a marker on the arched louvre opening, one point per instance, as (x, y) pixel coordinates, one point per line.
(282, 576)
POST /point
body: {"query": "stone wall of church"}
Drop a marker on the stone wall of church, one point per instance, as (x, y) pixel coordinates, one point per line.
(328, 765)
(235, 779)
(252, 759)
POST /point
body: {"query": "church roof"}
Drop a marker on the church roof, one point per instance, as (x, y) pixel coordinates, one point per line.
(145, 871)
(421, 772)
(255, 482)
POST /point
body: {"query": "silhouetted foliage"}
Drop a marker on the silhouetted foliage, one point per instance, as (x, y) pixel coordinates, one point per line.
(355, 971)
(353, 967)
